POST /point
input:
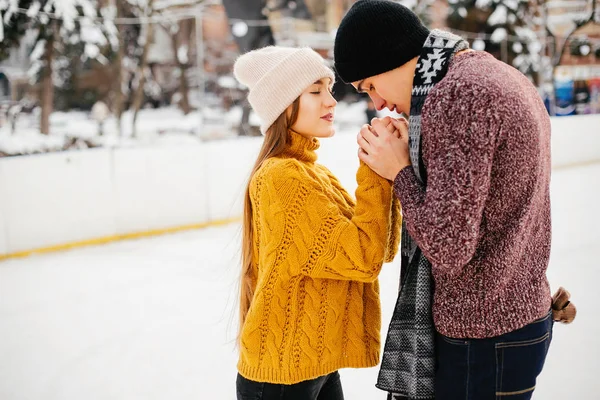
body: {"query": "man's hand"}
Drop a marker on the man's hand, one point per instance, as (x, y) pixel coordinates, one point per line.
(384, 146)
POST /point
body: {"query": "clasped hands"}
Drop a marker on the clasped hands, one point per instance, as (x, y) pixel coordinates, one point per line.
(384, 146)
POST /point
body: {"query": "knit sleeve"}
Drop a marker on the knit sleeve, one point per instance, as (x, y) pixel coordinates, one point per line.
(310, 234)
(444, 218)
(337, 184)
(395, 224)
(394, 230)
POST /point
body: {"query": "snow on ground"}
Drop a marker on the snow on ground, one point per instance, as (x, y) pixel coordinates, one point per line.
(155, 127)
(155, 318)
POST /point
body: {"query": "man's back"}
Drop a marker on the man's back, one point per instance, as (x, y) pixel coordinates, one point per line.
(485, 127)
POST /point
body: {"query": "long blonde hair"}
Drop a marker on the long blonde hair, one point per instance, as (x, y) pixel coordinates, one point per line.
(275, 142)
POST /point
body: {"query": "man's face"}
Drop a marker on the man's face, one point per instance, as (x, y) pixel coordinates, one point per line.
(392, 89)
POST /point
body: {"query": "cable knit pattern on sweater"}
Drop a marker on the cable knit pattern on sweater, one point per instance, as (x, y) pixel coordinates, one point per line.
(316, 304)
(484, 218)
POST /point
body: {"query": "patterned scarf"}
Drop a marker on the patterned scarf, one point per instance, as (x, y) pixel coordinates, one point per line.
(408, 366)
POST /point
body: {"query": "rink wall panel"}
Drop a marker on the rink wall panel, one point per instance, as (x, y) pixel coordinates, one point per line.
(575, 140)
(55, 198)
(225, 175)
(59, 198)
(156, 188)
(3, 225)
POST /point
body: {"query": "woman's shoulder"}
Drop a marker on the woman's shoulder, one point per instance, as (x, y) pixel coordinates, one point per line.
(280, 171)
(281, 167)
(324, 170)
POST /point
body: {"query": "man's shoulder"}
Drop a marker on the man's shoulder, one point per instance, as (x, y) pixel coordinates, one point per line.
(473, 70)
(476, 63)
(476, 79)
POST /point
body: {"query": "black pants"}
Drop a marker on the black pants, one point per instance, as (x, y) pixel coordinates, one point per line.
(328, 387)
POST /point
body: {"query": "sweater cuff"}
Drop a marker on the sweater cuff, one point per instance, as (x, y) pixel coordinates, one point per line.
(366, 175)
(406, 186)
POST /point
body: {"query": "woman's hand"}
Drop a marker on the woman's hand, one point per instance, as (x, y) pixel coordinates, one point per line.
(384, 146)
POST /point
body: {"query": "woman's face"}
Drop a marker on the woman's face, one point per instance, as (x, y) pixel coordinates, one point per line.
(316, 111)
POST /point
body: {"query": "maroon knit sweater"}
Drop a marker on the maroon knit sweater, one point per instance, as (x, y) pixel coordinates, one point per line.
(483, 220)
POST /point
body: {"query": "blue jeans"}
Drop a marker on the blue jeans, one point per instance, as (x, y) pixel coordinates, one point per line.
(501, 367)
(328, 387)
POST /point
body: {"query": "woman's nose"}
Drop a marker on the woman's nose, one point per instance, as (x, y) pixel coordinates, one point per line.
(331, 101)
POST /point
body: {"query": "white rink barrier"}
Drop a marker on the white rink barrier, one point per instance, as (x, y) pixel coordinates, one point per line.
(58, 200)
(575, 140)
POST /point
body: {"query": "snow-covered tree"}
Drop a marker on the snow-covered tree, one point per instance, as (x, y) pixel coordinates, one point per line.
(420, 7)
(180, 33)
(144, 9)
(56, 25)
(513, 30)
(13, 25)
(134, 81)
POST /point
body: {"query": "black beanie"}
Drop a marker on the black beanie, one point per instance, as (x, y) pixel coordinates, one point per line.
(376, 36)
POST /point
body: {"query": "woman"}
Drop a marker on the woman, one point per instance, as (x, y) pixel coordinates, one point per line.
(311, 255)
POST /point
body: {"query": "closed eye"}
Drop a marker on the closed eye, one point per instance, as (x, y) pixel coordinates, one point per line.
(361, 89)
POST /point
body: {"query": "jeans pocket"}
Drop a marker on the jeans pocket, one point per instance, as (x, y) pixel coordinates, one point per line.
(518, 364)
(456, 342)
(452, 367)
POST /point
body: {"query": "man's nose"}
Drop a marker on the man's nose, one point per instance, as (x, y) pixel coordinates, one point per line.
(377, 101)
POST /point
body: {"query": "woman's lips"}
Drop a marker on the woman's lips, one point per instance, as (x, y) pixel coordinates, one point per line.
(328, 117)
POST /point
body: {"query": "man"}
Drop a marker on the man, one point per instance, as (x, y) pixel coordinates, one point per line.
(473, 180)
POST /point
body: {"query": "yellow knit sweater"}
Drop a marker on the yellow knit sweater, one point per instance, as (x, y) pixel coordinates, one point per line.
(316, 303)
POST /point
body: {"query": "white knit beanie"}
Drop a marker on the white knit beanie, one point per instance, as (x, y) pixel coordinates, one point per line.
(276, 76)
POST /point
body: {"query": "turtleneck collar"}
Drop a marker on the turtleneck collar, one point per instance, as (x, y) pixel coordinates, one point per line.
(302, 148)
